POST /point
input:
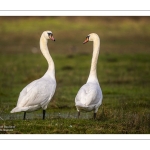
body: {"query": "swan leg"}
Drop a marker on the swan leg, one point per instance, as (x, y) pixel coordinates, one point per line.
(94, 116)
(78, 114)
(24, 116)
(44, 111)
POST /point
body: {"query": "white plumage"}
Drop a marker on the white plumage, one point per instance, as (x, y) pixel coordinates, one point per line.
(89, 96)
(38, 93)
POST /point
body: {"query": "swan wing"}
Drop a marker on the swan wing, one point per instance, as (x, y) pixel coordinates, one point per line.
(89, 94)
(37, 92)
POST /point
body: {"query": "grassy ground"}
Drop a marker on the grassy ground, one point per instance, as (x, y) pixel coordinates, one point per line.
(123, 72)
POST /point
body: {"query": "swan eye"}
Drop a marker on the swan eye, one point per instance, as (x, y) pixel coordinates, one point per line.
(49, 34)
(88, 37)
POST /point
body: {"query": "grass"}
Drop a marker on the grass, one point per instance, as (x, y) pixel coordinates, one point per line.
(123, 72)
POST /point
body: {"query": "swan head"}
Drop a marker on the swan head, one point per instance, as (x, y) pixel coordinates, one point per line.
(90, 37)
(48, 35)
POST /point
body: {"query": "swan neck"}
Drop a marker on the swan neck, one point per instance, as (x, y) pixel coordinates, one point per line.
(46, 54)
(93, 70)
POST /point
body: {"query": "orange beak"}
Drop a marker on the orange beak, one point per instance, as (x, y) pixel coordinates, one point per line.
(86, 40)
(52, 38)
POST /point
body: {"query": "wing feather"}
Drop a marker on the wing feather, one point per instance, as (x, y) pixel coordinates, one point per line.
(88, 94)
(36, 93)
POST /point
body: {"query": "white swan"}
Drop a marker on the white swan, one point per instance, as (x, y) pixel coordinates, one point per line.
(89, 97)
(38, 93)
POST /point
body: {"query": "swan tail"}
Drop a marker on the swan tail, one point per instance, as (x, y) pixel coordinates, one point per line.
(19, 109)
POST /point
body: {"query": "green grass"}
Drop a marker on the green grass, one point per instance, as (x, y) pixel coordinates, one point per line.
(123, 72)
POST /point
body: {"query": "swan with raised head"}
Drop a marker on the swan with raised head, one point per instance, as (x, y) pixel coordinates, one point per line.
(89, 96)
(38, 93)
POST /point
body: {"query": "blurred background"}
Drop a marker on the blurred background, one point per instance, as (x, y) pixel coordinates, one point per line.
(118, 34)
(123, 66)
